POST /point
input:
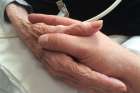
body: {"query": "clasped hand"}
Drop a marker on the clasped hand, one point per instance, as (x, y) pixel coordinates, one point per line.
(78, 54)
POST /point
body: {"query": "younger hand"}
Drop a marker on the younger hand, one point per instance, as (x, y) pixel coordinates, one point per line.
(97, 52)
(71, 46)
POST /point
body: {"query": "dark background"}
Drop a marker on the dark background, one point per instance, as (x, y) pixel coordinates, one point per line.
(125, 19)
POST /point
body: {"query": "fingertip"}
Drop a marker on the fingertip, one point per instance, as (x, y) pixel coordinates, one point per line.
(97, 24)
(112, 84)
(120, 86)
(90, 28)
(100, 23)
(95, 27)
(31, 17)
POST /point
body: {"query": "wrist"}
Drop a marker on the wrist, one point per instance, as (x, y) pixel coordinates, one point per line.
(126, 64)
(133, 68)
(132, 74)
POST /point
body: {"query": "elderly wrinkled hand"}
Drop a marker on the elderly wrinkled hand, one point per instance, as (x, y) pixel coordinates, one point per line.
(78, 28)
(99, 53)
(59, 64)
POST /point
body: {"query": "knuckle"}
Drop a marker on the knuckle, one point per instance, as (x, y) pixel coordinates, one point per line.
(83, 28)
(57, 62)
(60, 29)
(39, 28)
(80, 74)
(79, 27)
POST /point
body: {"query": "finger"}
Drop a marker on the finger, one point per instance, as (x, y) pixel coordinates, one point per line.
(51, 19)
(81, 76)
(64, 77)
(28, 38)
(82, 29)
(68, 44)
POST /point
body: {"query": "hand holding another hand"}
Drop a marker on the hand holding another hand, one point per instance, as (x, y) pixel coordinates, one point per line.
(97, 52)
(60, 64)
(71, 47)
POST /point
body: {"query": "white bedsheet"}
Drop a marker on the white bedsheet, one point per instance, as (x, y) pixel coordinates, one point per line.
(133, 44)
(15, 56)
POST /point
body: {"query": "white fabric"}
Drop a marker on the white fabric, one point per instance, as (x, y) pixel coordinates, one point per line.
(4, 3)
(133, 44)
(15, 56)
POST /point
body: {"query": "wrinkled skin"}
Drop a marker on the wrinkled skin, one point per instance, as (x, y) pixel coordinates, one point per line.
(98, 52)
(75, 74)
(68, 70)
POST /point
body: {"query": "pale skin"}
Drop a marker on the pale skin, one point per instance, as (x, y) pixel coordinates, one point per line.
(98, 52)
(94, 53)
(80, 76)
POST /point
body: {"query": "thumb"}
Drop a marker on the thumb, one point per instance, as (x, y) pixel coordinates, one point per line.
(68, 44)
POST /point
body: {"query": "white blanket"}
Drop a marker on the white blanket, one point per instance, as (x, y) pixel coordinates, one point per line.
(133, 44)
(15, 56)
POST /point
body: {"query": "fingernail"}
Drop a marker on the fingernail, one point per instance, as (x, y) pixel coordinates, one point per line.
(100, 21)
(98, 24)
